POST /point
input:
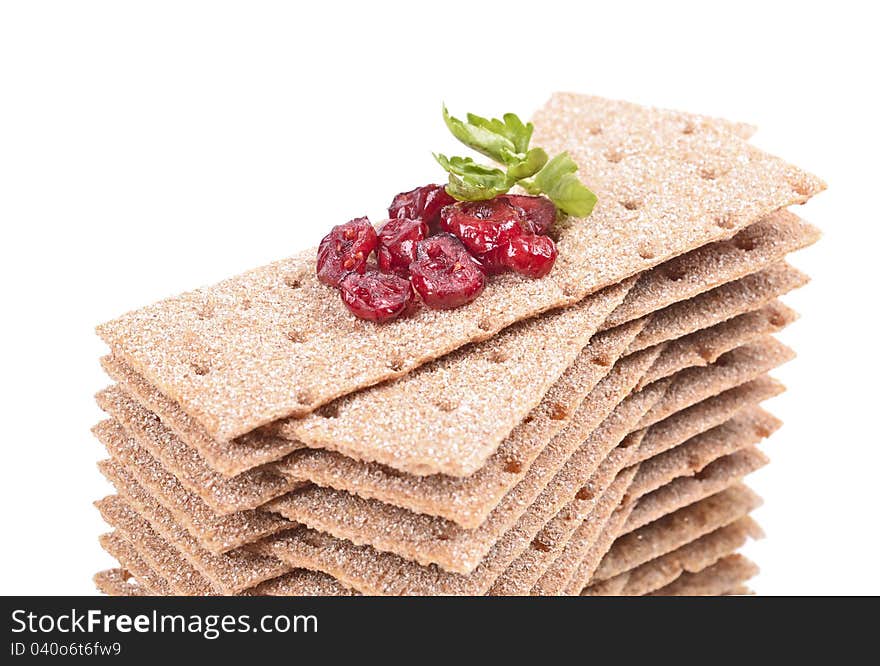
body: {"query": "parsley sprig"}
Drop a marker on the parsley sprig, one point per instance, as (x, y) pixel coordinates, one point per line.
(506, 142)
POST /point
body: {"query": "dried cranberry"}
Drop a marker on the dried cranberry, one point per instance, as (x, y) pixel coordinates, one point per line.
(423, 203)
(345, 249)
(376, 296)
(397, 244)
(482, 225)
(539, 212)
(445, 275)
(530, 254)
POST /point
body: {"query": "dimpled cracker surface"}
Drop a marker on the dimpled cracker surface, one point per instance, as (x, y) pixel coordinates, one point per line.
(755, 248)
(684, 491)
(726, 574)
(696, 420)
(705, 415)
(430, 540)
(469, 500)
(120, 583)
(701, 552)
(747, 428)
(449, 416)
(719, 304)
(706, 346)
(731, 369)
(149, 581)
(592, 506)
(216, 533)
(274, 342)
(229, 573)
(224, 495)
(376, 572)
(676, 529)
(182, 577)
(229, 458)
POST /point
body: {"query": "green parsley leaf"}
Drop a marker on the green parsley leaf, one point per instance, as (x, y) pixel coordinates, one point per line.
(469, 181)
(531, 164)
(477, 137)
(558, 182)
(511, 128)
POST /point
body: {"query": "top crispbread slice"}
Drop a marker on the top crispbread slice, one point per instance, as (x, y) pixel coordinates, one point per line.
(273, 342)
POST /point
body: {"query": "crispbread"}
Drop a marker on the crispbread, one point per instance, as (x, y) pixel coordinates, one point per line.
(149, 581)
(449, 416)
(755, 248)
(216, 533)
(675, 530)
(376, 572)
(746, 429)
(698, 448)
(228, 573)
(181, 577)
(699, 553)
(469, 500)
(687, 490)
(119, 583)
(595, 549)
(229, 354)
(705, 346)
(259, 447)
(430, 540)
(707, 414)
(301, 583)
(719, 304)
(597, 505)
(224, 495)
(725, 575)
(694, 385)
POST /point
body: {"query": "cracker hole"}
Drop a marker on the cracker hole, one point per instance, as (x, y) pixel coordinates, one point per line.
(695, 464)
(540, 546)
(801, 188)
(726, 221)
(305, 397)
(631, 204)
(446, 406)
(395, 363)
(293, 281)
(246, 304)
(776, 320)
(602, 360)
(689, 128)
(585, 493)
(709, 173)
(614, 156)
(485, 325)
(647, 252)
(569, 292)
(201, 369)
(595, 130)
(558, 412)
(763, 431)
(528, 419)
(296, 336)
(513, 466)
(707, 354)
(499, 356)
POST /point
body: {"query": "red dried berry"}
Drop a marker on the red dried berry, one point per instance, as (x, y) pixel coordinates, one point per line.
(482, 225)
(539, 212)
(423, 203)
(530, 255)
(376, 296)
(445, 275)
(345, 250)
(397, 244)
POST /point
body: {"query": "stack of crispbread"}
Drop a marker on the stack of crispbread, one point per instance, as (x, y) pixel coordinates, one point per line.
(585, 433)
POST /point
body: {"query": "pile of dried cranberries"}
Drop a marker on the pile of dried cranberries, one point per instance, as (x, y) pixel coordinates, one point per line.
(436, 247)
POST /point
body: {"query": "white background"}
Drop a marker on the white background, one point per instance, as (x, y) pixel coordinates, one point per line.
(151, 147)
